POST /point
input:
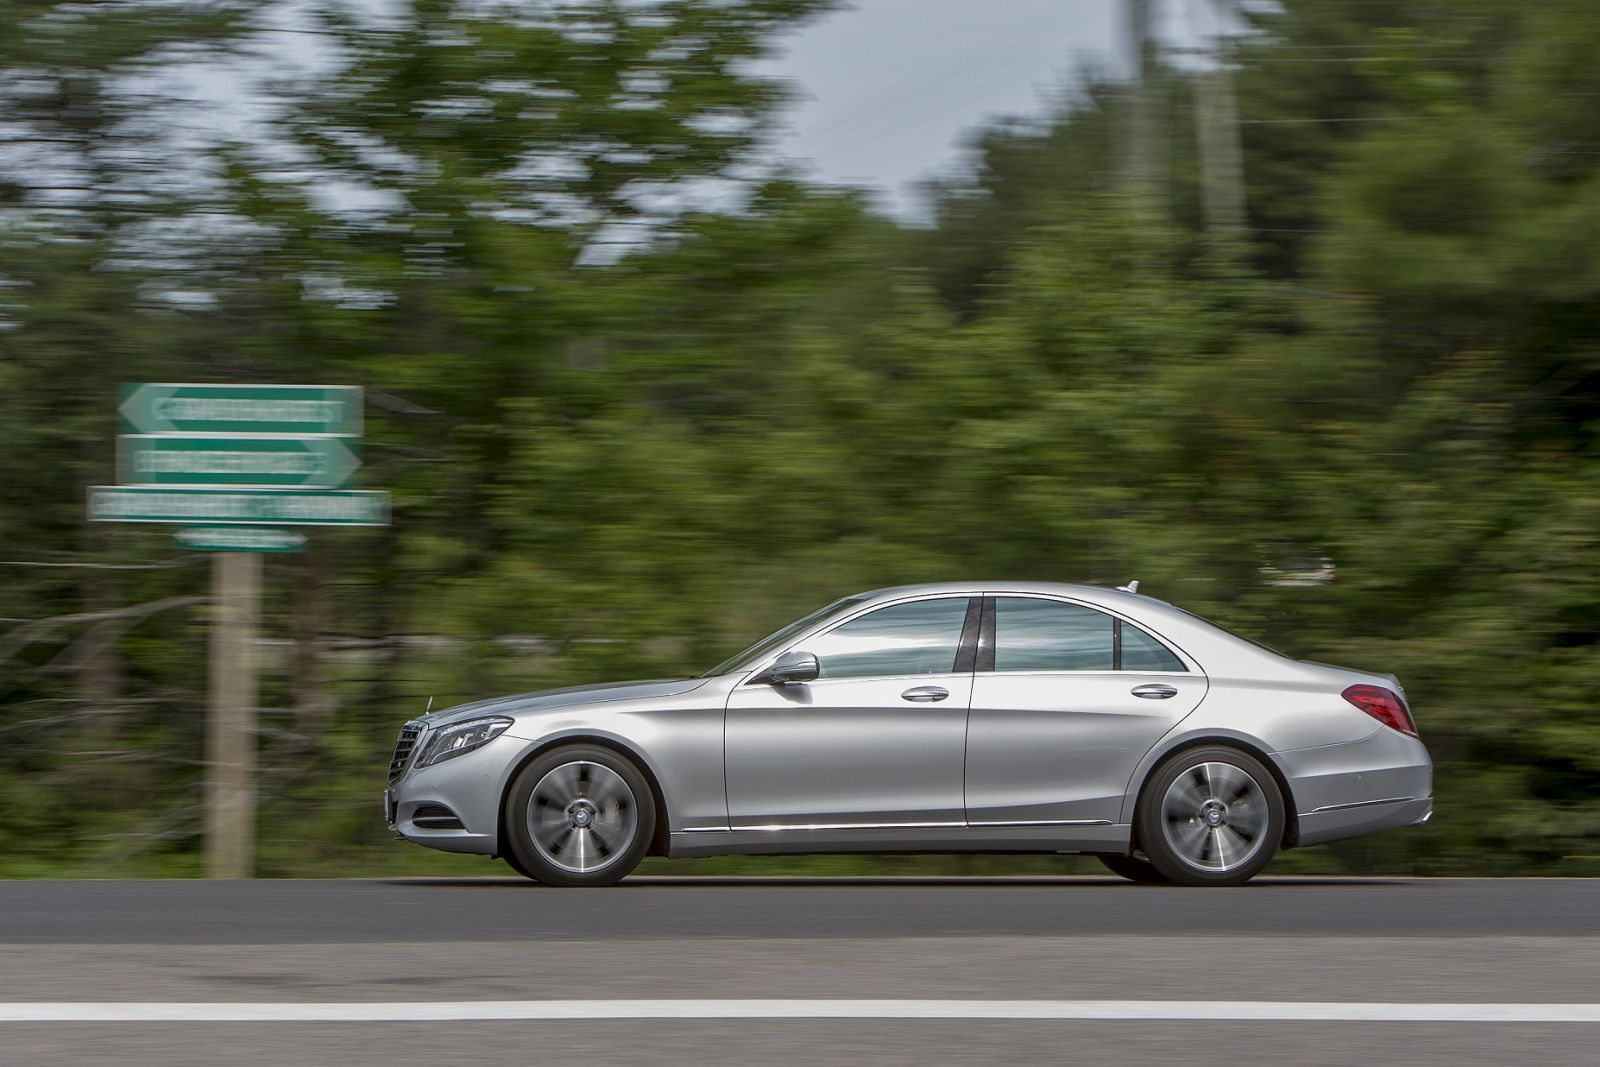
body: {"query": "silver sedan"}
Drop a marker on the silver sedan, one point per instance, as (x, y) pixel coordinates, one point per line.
(981, 717)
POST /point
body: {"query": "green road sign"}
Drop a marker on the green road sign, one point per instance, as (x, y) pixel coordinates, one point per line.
(240, 539)
(284, 507)
(265, 462)
(178, 408)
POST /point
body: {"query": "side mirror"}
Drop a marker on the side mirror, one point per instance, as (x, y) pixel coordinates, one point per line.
(791, 667)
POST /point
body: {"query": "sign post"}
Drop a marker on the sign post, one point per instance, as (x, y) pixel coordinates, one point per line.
(230, 789)
(236, 464)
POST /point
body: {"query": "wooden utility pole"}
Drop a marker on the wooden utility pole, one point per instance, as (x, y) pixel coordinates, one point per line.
(1140, 154)
(1217, 128)
(231, 718)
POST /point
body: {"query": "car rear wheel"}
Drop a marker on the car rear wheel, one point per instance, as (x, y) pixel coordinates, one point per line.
(579, 816)
(1211, 816)
(1130, 867)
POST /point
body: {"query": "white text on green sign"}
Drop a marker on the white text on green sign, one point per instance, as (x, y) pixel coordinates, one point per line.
(273, 507)
(240, 539)
(182, 408)
(268, 462)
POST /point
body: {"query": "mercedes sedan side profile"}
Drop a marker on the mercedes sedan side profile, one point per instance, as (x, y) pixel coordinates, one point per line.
(983, 717)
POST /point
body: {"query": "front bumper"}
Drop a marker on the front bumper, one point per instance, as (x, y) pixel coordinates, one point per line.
(468, 787)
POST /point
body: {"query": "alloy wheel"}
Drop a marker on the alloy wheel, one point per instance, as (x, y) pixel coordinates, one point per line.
(1214, 816)
(581, 816)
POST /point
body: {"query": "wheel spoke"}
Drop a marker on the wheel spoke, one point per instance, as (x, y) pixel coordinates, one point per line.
(1219, 849)
(550, 822)
(608, 790)
(1185, 795)
(1232, 783)
(1190, 839)
(560, 784)
(560, 841)
(582, 858)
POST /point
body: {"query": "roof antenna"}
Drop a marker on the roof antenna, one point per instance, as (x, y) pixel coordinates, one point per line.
(1131, 587)
(430, 699)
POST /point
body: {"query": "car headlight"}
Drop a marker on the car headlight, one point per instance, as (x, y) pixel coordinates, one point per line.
(457, 739)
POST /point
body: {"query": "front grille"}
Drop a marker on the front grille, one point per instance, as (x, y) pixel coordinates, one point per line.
(402, 750)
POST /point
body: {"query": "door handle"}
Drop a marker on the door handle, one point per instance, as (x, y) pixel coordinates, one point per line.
(1154, 692)
(925, 694)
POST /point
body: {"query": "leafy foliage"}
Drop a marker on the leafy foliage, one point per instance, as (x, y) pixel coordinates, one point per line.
(1366, 431)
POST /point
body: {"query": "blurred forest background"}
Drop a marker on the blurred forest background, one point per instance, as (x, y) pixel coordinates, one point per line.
(625, 439)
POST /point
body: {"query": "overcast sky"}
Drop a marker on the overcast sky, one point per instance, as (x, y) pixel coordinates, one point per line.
(890, 87)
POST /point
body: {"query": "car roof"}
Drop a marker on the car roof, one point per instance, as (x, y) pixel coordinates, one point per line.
(1097, 593)
(1202, 641)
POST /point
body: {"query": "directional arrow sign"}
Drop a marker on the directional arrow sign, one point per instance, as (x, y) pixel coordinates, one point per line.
(240, 539)
(283, 507)
(266, 462)
(178, 408)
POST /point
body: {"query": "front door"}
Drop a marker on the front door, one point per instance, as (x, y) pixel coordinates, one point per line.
(878, 739)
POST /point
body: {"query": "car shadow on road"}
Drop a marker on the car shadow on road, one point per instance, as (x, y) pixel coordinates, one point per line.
(687, 881)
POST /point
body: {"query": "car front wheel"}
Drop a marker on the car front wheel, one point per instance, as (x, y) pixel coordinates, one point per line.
(1211, 816)
(579, 816)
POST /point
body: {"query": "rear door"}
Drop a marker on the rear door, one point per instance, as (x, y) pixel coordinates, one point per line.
(1065, 702)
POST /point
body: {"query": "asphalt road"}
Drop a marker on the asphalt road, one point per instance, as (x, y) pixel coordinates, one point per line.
(494, 909)
(1263, 968)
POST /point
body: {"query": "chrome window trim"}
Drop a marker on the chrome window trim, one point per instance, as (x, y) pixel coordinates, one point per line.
(829, 625)
(1189, 661)
(1098, 673)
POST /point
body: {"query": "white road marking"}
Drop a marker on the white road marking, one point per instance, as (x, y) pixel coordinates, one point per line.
(535, 1010)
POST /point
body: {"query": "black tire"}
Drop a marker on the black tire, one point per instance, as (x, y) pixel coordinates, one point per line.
(1218, 783)
(1131, 867)
(591, 824)
(516, 865)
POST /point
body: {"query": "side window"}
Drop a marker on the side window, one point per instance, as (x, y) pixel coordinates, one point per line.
(1141, 652)
(1047, 635)
(916, 638)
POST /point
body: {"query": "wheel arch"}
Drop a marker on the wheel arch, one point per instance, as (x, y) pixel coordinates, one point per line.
(1249, 745)
(660, 835)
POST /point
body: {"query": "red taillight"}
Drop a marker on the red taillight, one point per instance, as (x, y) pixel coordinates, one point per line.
(1384, 705)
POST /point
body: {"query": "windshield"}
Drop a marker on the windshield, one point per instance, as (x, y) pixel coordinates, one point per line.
(748, 658)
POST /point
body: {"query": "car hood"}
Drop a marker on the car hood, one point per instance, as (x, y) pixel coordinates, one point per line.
(561, 698)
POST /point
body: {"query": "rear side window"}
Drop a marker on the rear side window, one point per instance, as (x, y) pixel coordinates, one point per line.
(1141, 652)
(1049, 635)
